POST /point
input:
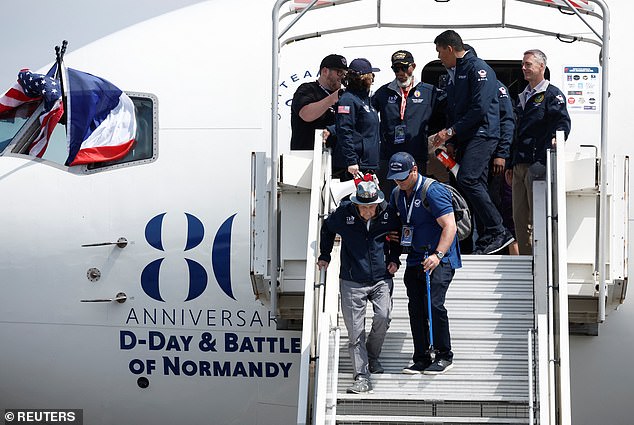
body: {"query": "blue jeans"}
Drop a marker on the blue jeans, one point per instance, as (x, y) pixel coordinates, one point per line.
(416, 286)
(472, 183)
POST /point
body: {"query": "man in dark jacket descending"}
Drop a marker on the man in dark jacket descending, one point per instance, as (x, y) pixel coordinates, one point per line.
(474, 129)
(405, 107)
(540, 114)
(365, 275)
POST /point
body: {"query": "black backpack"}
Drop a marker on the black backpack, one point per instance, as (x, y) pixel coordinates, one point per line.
(460, 208)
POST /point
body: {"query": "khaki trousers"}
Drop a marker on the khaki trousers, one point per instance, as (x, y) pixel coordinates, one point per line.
(523, 177)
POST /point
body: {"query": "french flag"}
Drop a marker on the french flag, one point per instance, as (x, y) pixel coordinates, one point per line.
(101, 122)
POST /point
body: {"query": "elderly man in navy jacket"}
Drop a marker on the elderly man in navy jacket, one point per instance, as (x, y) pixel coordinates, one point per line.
(540, 114)
(473, 131)
(365, 275)
(405, 107)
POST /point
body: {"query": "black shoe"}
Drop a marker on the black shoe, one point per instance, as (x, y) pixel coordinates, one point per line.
(438, 367)
(500, 242)
(375, 367)
(417, 368)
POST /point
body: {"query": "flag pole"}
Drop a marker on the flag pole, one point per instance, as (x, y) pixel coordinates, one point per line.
(59, 55)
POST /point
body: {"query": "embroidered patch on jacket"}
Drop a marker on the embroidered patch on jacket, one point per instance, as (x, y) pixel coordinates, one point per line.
(539, 98)
(343, 109)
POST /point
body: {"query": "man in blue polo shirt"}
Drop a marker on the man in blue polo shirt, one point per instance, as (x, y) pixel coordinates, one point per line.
(433, 248)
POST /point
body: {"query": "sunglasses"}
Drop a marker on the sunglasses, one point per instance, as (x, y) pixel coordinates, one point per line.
(400, 67)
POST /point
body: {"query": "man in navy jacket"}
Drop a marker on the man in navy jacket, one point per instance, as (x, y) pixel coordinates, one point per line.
(405, 107)
(363, 224)
(540, 114)
(474, 129)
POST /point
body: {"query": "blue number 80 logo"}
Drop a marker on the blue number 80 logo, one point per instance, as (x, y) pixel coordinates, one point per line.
(220, 257)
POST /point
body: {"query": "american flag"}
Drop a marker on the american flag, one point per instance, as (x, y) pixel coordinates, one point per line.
(32, 87)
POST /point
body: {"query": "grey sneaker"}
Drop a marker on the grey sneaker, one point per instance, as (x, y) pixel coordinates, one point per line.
(375, 367)
(360, 386)
(438, 367)
(417, 367)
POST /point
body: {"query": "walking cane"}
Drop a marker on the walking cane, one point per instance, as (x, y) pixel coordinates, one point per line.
(431, 331)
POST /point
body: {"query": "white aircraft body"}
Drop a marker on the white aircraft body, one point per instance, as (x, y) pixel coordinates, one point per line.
(126, 288)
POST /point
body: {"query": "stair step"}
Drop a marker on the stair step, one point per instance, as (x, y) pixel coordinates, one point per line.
(368, 419)
(446, 420)
(449, 386)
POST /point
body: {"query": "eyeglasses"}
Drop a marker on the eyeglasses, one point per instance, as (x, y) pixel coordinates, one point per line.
(400, 67)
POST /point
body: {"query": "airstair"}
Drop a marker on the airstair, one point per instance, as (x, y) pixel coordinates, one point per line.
(508, 315)
(490, 306)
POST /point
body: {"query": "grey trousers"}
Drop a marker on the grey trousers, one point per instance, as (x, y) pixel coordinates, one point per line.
(354, 299)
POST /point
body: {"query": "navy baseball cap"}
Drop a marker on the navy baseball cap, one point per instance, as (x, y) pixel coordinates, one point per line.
(362, 66)
(400, 165)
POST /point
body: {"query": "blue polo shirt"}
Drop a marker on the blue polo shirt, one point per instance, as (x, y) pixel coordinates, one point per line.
(423, 220)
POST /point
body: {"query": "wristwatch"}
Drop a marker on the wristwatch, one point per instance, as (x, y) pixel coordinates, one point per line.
(451, 132)
(439, 254)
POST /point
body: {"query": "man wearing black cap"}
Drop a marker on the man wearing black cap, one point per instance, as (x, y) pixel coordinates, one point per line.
(364, 275)
(405, 108)
(433, 248)
(312, 106)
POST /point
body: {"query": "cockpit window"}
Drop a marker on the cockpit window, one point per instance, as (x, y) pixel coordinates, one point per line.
(144, 149)
(144, 145)
(12, 121)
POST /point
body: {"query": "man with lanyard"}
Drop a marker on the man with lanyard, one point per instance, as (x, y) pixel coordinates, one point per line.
(312, 105)
(541, 113)
(433, 248)
(474, 130)
(405, 108)
(364, 275)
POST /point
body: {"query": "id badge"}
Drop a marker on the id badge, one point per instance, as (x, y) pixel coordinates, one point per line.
(399, 134)
(406, 235)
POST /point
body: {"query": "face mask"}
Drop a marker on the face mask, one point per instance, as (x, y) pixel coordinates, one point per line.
(405, 83)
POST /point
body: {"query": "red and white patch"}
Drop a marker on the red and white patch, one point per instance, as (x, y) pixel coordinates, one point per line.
(482, 73)
(571, 100)
(343, 109)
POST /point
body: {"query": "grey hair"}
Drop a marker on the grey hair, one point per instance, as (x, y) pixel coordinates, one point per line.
(539, 55)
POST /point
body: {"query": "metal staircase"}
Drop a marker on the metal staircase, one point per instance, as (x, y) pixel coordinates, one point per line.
(490, 305)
